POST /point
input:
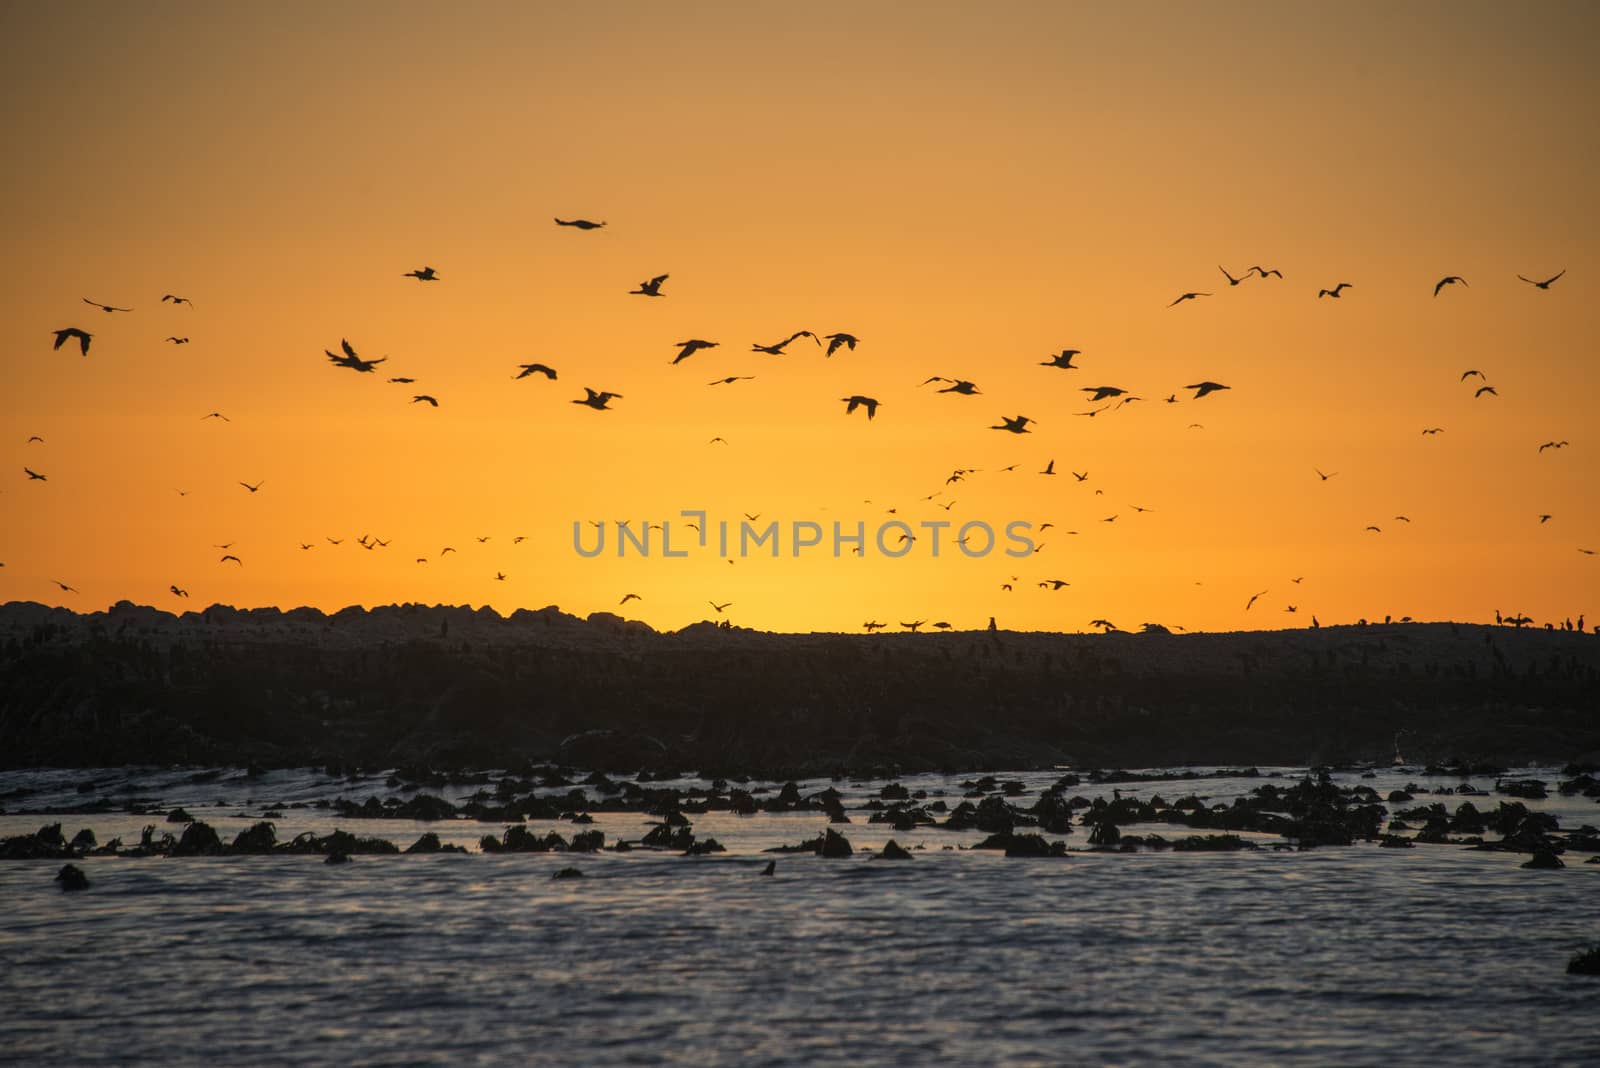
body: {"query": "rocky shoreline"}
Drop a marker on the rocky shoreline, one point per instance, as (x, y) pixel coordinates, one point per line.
(457, 687)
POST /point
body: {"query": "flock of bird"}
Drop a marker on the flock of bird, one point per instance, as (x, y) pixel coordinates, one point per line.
(1100, 399)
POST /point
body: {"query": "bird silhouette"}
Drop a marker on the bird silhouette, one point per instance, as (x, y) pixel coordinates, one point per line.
(334, 541)
(690, 347)
(650, 288)
(34, 476)
(1232, 281)
(1403, 518)
(306, 545)
(871, 626)
(215, 415)
(957, 385)
(424, 398)
(178, 591)
(1481, 390)
(777, 349)
(351, 360)
(1449, 279)
(105, 307)
(178, 340)
(1018, 425)
(537, 369)
(64, 587)
(629, 597)
(1324, 477)
(720, 607)
(730, 380)
(401, 381)
(422, 274)
(1188, 296)
(254, 488)
(1552, 445)
(1375, 529)
(1468, 374)
(1545, 518)
(232, 557)
(597, 401)
(1049, 468)
(912, 627)
(1202, 388)
(499, 576)
(81, 336)
(1433, 430)
(1263, 272)
(1062, 359)
(1101, 393)
(581, 224)
(856, 400)
(1253, 598)
(1334, 292)
(33, 439)
(835, 340)
(1546, 283)
(176, 300)
(1053, 584)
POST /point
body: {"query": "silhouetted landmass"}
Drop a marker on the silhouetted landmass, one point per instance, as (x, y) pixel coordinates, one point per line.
(457, 687)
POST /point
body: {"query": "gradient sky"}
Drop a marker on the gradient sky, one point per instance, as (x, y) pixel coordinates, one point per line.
(968, 190)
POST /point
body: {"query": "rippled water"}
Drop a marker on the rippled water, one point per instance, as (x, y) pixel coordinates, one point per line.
(1337, 956)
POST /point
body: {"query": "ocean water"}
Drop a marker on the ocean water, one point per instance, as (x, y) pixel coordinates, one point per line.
(1336, 956)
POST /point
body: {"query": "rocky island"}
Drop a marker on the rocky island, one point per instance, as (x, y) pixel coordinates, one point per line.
(460, 687)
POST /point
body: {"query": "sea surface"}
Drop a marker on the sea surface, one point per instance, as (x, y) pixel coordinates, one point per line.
(1359, 955)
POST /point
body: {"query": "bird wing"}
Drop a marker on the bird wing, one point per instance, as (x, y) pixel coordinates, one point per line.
(349, 350)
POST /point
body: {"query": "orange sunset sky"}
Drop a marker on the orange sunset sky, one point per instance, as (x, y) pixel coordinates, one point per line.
(967, 188)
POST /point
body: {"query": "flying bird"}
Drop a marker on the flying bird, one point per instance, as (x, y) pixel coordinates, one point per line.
(1481, 390)
(692, 346)
(33, 439)
(1049, 468)
(1252, 600)
(720, 607)
(215, 415)
(835, 340)
(1019, 425)
(34, 476)
(629, 597)
(1433, 430)
(175, 299)
(1546, 283)
(105, 307)
(1468, 374)
(81, 336)
(1449, 279)
(598, 401)
(1263, 272)
(730, 380)
(650, 288)
(1053, 584)
(871, 626)
(64, 587)
(912, 627)
(232, 557)
(1062, 359)
(857, 401)
(1334, 292)
(178, 340)
(254, 488)
(499, 576)
(777, 349)
(1103, 392)
(351, 360)
(1083, 477)
(421, 397)
(581, 224)
(178, 591)
(1232, 281)
(1552, 445)
(537, 369)
(1545, 518)
(957, 385)
(1202, 388)
(1375, 529)
(422, 274)
(401, 381)
(1188, 296)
